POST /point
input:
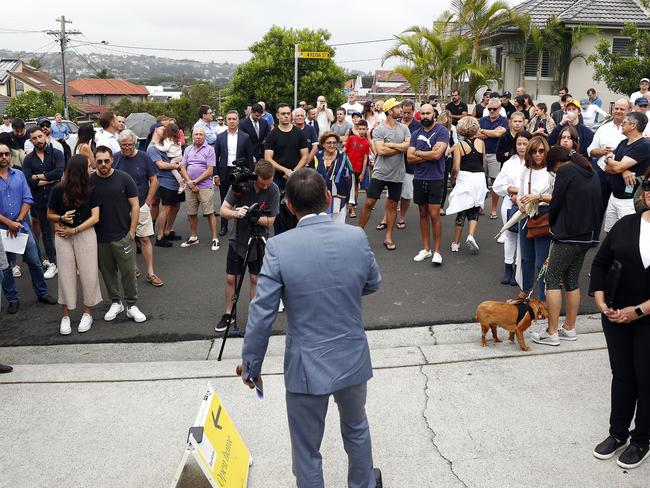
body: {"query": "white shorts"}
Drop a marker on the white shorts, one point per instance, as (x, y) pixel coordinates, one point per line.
(145, 222)
(617, 208)
(407, 187)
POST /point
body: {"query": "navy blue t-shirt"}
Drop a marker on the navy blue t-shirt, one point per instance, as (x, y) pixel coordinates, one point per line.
(423, 140)
(487, 124)
(310, 134)
(140, 167)
(413, 126)
(639, 150)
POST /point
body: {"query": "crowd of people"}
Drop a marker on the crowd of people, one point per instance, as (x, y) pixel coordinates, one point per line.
(556, 178)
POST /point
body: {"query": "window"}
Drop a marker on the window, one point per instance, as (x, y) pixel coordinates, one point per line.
(530, 70)
(498, 57)
(622, 46)
(20, 88)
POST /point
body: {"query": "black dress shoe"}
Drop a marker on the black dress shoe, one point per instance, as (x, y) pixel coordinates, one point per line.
(47, 299)
(163, 243)
(377, 474)
(173, 236)
(12, 306)
(223, 231)
(5, 369)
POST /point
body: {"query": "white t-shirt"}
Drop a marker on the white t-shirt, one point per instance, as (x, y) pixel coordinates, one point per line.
(323, 120)
(540, 182)
(635, 95)
(350, 109)
(108, 139)
(5, 128)
(29, 147)
(218, 129)
(644, 242)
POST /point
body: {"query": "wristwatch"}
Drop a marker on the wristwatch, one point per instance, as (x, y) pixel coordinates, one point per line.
(638, 311)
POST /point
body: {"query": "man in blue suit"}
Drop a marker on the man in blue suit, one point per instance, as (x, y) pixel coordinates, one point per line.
(326, 347)
(231, 145)
(257, 129)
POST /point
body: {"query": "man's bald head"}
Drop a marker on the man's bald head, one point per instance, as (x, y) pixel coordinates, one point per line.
(621, 109)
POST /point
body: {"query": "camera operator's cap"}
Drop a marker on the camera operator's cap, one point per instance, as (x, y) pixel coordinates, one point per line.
(390, 103)
(644, 79)
(356, 114)
(507, 94)
(44, 121)
(641, 102)
(575, 103)
(154, 127)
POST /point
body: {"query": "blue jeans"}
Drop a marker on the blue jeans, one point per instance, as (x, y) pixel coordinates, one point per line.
(31, 258)
(533, 254)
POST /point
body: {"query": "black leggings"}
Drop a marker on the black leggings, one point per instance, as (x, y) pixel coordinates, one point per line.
(564, 264)
(628, 346)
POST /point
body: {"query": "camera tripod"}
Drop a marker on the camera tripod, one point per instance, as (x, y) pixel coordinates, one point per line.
(256, 241)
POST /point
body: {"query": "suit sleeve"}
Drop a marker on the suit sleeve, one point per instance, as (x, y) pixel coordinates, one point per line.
(262, 312)
(374, 276)
(249, 152)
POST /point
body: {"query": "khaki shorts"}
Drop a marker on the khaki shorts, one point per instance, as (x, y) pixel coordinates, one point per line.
(145, 222)
(204, 196)
(407, 187)
(493, 166)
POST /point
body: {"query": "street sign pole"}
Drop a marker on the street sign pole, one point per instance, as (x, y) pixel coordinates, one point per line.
(295, 76)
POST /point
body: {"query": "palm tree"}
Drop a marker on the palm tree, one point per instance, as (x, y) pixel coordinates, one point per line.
(103, 74)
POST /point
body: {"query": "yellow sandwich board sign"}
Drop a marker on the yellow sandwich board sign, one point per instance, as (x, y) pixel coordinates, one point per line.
(314, 54)
(217, 446)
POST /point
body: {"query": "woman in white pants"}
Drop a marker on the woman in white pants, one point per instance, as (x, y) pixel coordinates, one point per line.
(506, 185)
(74, 211)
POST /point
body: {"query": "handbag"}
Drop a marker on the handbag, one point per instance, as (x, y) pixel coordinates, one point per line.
(509, 213)
(538, 226)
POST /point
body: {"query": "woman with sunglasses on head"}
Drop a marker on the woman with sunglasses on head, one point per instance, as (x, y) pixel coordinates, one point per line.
(623, 298)
(74, 211)
(335, 167)
(534, 188)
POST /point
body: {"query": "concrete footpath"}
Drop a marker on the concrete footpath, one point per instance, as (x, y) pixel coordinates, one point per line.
(443, 411)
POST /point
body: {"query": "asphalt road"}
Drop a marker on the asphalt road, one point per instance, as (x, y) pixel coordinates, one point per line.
(192, 299)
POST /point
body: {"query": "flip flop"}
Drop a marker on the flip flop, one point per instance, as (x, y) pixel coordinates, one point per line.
(390, 246)
(381, 226)
(401, 225)
(493, 216)
(353, 215)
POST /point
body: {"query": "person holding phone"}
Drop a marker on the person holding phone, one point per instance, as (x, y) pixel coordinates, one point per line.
(74, 211)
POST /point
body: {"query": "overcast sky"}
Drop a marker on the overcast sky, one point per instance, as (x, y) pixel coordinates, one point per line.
(216, 25)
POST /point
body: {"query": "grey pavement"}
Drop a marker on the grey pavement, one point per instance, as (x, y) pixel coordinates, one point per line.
(444, 412)
(412, 294)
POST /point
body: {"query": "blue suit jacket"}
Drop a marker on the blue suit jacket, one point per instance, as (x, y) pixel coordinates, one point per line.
(244, 150)
(320, 269)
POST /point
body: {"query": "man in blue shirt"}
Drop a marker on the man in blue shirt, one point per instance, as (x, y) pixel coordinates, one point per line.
(267, 116)
(426, 153)
(15, 202)
(493, 126)
(205, 117)
(59, 130)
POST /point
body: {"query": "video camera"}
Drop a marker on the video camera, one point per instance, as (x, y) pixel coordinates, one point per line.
(240, 176)
(255, 212)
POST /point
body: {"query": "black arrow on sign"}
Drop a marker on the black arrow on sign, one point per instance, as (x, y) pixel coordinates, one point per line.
(215, 420)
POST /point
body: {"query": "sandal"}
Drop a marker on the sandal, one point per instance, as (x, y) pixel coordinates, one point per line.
(390, 246)
(353, 214)
(401, 225)
(154, 280)
(521, 296)
(493, 216)
(381, 226)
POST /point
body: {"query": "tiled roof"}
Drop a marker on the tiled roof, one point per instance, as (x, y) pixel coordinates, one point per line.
(597, 12)
(92, 86)
(387, 75)
(88, 108)
(7, 65)
(40, 80)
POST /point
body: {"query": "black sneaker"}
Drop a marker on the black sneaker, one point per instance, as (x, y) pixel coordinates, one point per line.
(633, 456)
(223, 323)
(163, 243)
(608, 448)
(173, 236)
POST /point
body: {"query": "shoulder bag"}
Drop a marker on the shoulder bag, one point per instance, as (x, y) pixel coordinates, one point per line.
(538, 226)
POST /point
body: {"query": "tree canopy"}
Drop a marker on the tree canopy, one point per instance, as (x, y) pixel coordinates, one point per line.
(269, 74)
(32, 104)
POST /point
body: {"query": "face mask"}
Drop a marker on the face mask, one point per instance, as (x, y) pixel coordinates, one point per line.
(426, 122)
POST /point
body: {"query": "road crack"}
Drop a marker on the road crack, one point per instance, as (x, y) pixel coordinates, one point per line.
(427, 398)
(433, 334)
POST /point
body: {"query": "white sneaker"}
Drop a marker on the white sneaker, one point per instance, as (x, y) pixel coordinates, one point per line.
(422, 255)
(471, 243)
(191, 241)
(65, 328)
(455, 247)
(437, 258)
(545, 338)
(567, 335)
(51, 271)
(85, 323)
(502, 238)
(281, 307)
(116, 309)
(215, 245)
(16, 271)
(134, 313)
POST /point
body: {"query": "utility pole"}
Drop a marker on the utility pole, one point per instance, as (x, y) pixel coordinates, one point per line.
(295, 75)
(62, 36)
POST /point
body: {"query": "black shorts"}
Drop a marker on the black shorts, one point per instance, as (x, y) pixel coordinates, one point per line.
(377, 186)
(428, 192)
(235, 263)
(170, 197)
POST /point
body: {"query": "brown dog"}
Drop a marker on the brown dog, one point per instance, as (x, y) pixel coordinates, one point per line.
(515, 318)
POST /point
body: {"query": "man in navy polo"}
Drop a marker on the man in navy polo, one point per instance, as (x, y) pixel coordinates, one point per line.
(493, 126)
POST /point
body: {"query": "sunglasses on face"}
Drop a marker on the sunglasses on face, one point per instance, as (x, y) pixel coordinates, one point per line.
(493, 109)
(103, 161)
(539, 151)
(330, 143)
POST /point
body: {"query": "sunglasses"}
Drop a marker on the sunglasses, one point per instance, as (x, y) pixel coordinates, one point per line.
(539, 151)
(103, 161)
(331, 143)
(494, 109)
(126, 144)
(5, 153)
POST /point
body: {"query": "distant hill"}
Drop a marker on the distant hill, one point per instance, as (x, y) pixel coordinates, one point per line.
(140, 68)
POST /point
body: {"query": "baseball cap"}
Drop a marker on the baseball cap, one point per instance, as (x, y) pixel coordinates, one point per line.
(641, 102)
(5, 116)
(507, 94)
(575, 103)
(155, 126)
(356, 114)
(390, 103)
(44, 121)
(644, 79)
(495, 95)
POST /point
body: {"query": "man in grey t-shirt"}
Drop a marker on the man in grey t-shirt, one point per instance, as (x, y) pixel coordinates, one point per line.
(341, 127)
(391, 141)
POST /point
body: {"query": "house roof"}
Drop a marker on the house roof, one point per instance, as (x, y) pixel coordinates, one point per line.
(597, 12)
(7, 65)
(93, 86)
(386, 75)
(40, 80)
(88, 108)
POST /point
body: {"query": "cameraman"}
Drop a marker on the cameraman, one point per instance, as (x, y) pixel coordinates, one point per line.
(235, 206)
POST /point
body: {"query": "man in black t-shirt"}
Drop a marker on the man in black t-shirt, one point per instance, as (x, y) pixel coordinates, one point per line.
(630, 159)
(117, 195)
(286, 149)
(457, 108)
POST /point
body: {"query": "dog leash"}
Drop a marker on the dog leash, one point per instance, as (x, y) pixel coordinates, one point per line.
(540, 275)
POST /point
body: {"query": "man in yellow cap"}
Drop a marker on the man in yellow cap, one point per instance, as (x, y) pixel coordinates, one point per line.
(391, 140)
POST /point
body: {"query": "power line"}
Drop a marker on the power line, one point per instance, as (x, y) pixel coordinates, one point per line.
(359, 60)
(7, 30)
(362, 42)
